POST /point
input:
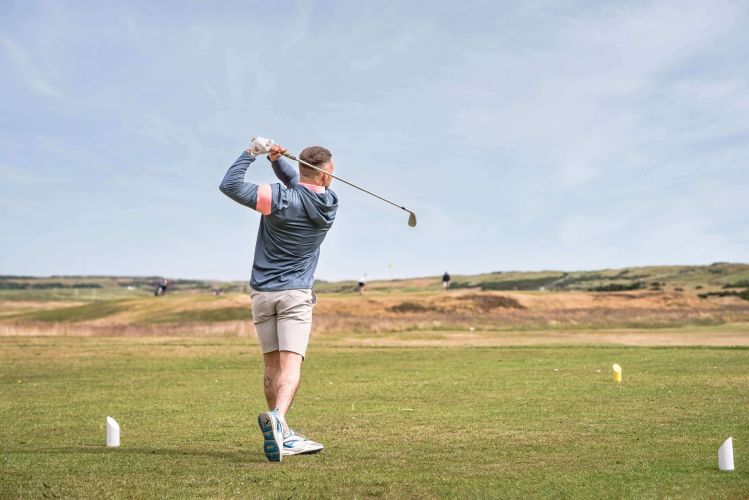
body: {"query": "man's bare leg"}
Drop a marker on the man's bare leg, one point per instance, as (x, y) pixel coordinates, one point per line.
(287, 380)
(281, 379)
(282, 374)
(270, 378)
(272, 423)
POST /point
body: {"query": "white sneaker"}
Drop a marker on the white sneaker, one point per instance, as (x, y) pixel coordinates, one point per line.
(296, 444)
(271, 426)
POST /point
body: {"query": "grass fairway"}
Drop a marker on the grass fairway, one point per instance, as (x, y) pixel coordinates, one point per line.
(396, 422)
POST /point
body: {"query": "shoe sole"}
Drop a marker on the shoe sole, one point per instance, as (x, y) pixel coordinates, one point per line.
(311, 452)
(270, 445)
(289, 453)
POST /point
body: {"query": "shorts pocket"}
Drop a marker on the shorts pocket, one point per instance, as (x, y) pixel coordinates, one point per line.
(305, 297)
(260, 305)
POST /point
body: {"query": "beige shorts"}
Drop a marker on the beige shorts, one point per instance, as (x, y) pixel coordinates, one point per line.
(283, 319)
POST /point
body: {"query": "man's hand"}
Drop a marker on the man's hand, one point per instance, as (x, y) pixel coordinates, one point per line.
(275, 152)
(260, 146)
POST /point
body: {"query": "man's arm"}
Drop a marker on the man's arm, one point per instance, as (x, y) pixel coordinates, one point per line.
(256, 197)
(285, 172)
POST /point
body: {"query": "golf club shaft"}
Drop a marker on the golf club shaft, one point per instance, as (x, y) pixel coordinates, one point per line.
(292, 157)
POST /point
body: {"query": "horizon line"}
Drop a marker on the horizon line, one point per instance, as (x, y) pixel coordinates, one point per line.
(156, 276)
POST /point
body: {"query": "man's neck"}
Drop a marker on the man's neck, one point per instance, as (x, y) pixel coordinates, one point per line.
(307, 180)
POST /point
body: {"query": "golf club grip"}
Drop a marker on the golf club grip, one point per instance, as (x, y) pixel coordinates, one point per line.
(292, 157)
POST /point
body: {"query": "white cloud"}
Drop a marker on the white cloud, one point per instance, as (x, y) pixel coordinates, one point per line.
(28, 70)
(18, 175)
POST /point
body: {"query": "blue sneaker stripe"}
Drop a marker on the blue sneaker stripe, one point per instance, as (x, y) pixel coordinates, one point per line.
(269, 422)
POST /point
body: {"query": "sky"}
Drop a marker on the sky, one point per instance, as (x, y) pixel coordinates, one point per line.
(525, 135)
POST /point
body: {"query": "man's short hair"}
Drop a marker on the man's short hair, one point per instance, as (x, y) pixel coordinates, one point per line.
(317, 156)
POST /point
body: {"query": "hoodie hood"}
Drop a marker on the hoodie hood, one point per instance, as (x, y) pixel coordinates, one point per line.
(320, 207)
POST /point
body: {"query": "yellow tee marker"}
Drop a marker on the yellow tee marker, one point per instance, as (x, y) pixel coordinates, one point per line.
(616, 372)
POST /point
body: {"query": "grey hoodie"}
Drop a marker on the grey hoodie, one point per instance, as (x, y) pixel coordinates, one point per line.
(296, 218)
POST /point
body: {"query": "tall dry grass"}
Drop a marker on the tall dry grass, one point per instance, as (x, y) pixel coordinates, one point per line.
(394, 313)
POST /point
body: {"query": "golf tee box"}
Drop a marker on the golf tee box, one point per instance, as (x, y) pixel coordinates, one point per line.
(616, 372)
(725, 455)
(113, 433)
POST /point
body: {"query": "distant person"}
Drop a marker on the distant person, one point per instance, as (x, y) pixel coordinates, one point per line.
(296, 215)
(445, 281)
(161, 287)
(361, 285)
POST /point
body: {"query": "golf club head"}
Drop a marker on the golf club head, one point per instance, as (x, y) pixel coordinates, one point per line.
(412, 219)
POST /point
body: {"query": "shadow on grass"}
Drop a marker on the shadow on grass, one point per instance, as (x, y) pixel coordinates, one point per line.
(237, 457)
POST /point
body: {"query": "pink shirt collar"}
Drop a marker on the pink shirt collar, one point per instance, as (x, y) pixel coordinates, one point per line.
(313, 187)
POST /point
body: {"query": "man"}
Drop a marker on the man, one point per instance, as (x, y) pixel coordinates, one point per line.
(297, 214)
(361, 285)
(161, 287)
(445, 281)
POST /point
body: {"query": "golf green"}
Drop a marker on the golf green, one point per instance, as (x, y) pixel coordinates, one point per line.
(396, 422)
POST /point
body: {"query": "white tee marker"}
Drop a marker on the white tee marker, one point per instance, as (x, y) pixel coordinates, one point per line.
(113, 432)
(725, 455)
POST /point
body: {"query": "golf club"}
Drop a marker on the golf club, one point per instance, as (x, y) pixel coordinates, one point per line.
(411, 216)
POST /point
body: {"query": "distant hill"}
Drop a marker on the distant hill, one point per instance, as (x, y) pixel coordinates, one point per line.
(718, 275)
(708, 278)
(632, 298)
(101, 287)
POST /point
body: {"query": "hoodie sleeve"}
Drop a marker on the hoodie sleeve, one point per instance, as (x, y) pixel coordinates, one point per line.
(285, 172)
(254, 196)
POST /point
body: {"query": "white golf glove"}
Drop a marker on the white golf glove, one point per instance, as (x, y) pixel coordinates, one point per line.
(260, 146)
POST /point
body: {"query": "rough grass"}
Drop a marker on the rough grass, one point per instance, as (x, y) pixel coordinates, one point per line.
(206, 315)
(87, 312)
(419, 422)
(383, 312)
(74, 294)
